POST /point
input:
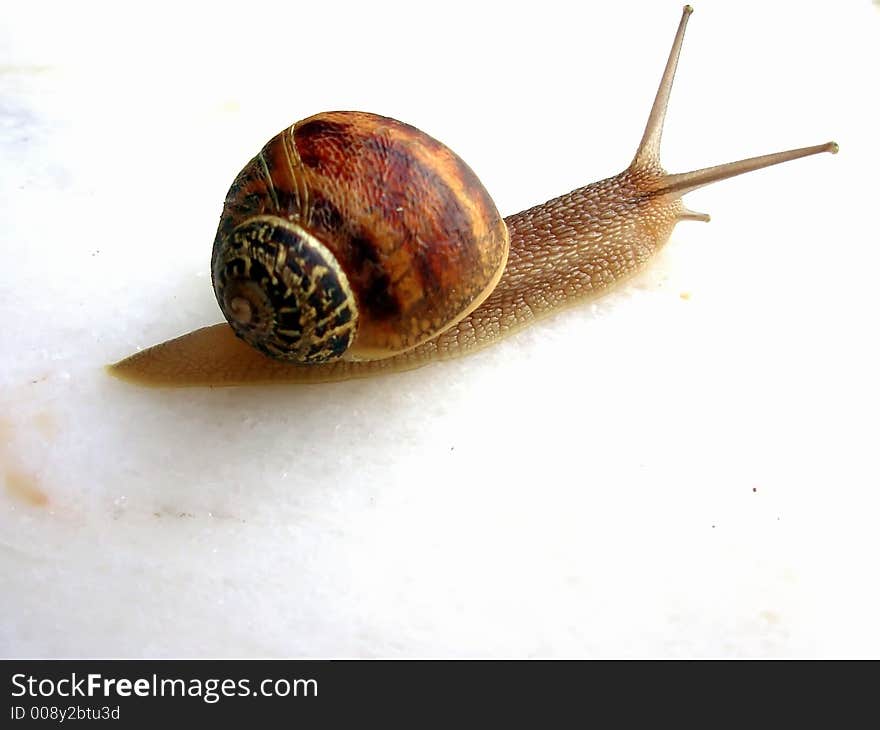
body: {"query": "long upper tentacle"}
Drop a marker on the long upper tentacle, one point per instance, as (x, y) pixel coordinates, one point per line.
(648, 153)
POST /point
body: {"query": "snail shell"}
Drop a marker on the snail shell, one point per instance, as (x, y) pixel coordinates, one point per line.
(354, 235)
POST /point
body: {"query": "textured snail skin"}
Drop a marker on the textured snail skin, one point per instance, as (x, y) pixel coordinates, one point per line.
(565, 251)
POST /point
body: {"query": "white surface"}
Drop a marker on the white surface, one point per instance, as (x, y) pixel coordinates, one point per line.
(646, 476)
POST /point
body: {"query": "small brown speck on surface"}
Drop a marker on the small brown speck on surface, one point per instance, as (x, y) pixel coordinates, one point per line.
(25, 488)
(754, 489)
(685, 295)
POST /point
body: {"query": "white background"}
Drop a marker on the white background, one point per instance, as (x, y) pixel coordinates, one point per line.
(647, 475)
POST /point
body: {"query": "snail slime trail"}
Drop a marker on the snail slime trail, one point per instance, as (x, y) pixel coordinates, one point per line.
(354, 245)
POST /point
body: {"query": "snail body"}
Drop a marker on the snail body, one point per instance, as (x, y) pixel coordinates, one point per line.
(353, 244)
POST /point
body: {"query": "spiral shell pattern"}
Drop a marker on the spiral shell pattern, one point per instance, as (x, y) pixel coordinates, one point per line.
(284, 293)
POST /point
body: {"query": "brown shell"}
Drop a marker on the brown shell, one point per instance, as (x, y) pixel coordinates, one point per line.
(417, 235)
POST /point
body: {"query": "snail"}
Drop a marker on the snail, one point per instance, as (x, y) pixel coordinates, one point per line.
(354, 244)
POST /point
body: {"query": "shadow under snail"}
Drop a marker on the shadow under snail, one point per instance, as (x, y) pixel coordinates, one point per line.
(354, 244)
